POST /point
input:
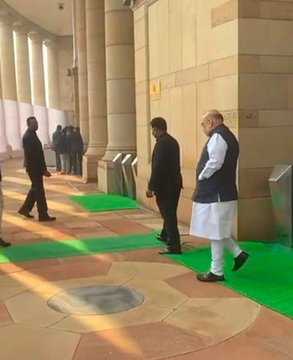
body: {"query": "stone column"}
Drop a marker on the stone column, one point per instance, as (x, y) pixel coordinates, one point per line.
(81, 51)
(3, 139)
(74, 76)
(95, 36)
(23, 82)
(120, 90)
(38, 77)
(8, 82)
(74, 68)
(53, 95)
(52, 88)
(38, 86)
(120, 79)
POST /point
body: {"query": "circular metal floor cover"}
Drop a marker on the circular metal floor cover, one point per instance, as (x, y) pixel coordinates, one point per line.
(96, 300)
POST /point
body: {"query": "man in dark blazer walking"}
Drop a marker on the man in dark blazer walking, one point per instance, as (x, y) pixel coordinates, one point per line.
(166, 183)
(36, 168)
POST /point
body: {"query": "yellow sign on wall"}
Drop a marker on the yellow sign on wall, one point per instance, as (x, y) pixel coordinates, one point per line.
(155, 90)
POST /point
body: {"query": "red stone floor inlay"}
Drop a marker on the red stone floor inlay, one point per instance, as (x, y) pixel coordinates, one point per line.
(124, 227)
(150, 341)
(5, 318)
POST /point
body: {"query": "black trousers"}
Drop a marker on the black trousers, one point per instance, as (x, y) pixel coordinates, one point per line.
(167, 202)
(79, 163)
(36, 194)
(58, 160)
(76, 163)
(72, 157)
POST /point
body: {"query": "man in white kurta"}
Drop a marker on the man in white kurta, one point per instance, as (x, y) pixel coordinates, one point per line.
(215, 196)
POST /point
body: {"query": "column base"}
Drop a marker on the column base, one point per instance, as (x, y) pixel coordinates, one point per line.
(111, 153)
(15, 154)
(11, 154)
(110, 179)
(4, 156)
(89, 167)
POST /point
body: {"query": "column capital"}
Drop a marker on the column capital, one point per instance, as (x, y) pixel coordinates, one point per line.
(50, 43)
(36, 37)
(6, 19)
(20, 28)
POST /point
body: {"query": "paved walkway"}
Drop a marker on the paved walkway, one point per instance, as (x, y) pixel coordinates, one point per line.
(180, 318)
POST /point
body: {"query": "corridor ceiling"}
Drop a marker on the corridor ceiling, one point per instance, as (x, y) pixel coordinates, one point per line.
(48, 14)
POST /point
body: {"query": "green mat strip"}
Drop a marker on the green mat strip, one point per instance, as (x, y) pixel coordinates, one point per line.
(267, 277)
(59, 249)
(104, 202)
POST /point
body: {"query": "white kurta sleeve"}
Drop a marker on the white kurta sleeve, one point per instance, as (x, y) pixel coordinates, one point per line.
(217, 148)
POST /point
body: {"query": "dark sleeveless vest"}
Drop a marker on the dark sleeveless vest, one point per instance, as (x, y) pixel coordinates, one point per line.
(221, 186)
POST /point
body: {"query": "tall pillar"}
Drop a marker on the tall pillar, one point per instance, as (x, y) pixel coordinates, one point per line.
(120, 79)
(38, 86)
(23, 82)
(81, 53)
(53, 93)
(74, 69)
(8, 82)
(120, 90)
(74, 76)
(3, 139)
(95, 35)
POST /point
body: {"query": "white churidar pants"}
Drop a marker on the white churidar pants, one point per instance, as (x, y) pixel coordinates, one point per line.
(217, 249)
(214, 222)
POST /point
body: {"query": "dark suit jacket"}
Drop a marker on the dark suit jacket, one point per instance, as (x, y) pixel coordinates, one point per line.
(166, 175)
(34, 160)
(76, 142)
(56, 138)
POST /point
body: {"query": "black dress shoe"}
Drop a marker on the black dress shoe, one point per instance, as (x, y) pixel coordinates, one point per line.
(210, 277)
(26, 214)
(47, 218)
(4, 243)
(240, 260)
(170, 251)
(160, 238)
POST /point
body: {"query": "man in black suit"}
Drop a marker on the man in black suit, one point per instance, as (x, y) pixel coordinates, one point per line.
(166, 183)
(36, 168)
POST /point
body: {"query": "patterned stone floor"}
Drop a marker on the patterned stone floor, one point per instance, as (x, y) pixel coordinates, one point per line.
(180, 318)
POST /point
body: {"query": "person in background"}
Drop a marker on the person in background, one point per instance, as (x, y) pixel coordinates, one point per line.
(70, 145)
(215, 195)
(3, 243)
(77, 151)
(64, 153)
(166, 183)
(36, 168)
(56, 137)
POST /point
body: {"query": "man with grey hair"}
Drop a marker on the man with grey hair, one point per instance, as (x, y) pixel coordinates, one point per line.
(215, 196)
